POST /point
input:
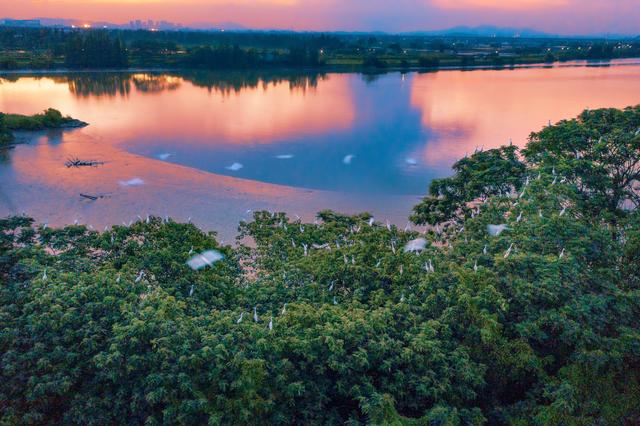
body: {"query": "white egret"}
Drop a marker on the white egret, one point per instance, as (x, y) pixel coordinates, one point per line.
(348, 159)
(255, 314)
(414, 246)
(235, 167)
(204, 259)
(508, 252)
(411, 161)
(496, 230)
(132, 182)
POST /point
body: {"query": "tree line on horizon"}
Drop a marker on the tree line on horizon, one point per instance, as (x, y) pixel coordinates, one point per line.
(46, 48)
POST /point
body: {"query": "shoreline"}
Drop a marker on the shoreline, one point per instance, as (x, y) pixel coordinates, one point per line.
(335, 69)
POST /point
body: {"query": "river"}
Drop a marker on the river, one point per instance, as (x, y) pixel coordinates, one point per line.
(215, 147)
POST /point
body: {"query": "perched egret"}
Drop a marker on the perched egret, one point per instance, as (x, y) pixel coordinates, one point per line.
(508, 252)
(240, 319)
(255, 314)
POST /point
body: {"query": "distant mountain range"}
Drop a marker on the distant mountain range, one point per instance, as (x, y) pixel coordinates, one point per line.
(486, 31)
(478, 31)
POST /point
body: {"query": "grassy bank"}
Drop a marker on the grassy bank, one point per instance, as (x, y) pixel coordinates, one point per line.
(49, 119)
(520, 306)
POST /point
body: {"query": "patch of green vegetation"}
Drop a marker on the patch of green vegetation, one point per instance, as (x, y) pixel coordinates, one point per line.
(49, 119)
(537, 324)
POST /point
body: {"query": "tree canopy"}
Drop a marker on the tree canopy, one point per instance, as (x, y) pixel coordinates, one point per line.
(334, 321)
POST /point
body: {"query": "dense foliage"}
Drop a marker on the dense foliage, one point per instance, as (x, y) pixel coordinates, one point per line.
(96, 49)
(596, 152)
(534, 325)
(45, 48)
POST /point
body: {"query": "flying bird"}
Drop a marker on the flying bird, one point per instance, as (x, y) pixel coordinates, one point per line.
(204, 259)
(132, 182)
(414, 246)
(496, 230)
(235, 167)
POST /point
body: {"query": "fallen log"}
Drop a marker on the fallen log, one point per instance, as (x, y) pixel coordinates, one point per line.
(90, 197)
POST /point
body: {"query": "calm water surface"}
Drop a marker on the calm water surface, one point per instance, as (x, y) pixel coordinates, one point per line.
(213, 146)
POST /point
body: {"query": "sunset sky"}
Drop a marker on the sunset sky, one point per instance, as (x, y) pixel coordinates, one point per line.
(555, 16)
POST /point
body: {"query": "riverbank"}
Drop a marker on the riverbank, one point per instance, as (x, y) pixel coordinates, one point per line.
(337, 69)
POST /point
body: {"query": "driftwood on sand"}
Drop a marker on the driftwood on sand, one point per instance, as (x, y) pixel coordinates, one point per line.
(76, 162)
(92, 197)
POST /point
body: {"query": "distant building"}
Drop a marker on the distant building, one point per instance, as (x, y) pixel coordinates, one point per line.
(29, 23)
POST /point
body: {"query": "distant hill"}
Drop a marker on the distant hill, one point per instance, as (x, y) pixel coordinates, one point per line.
(485, 31)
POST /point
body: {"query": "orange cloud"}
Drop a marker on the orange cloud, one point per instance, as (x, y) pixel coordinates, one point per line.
(499, 4)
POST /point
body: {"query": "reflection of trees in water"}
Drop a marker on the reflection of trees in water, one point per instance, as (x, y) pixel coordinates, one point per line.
(102, 84)
(234, 82)
(149, 83)
(84, 85)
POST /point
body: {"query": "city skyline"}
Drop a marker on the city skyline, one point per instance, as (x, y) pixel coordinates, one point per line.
(564, 17)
